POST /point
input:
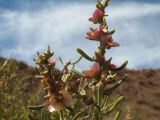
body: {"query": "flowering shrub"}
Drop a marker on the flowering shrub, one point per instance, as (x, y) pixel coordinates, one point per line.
(72, 95)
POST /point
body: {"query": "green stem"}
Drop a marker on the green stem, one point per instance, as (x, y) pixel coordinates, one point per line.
(61, 115)
(77, 60)
(77, 115)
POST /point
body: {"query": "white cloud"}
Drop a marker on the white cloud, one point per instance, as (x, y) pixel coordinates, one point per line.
(59, 27)
(133, 10)
(138, 33)
(63, 28)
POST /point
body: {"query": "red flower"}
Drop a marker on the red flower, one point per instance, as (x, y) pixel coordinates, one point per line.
(109, 65)
(104, 37)
(97, 16)
(95, 69)
(52, 61)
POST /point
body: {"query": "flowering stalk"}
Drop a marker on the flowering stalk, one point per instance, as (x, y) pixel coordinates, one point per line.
(76, 95)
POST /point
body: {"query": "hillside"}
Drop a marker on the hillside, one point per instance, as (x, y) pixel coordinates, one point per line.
(17, 86)
(141, 91)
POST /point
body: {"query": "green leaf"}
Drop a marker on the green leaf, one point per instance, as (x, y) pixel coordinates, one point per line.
(61, 60)
(81, 52)
(47, 96)
(97, 115)
(99, 5)
(105, 101)
(112, 32)
(104, 23)
(61, 115)
(95, 95)
(77, 60)
(65, 77)
(76, 116)
(115, 103)
(38, 107)
(121, 67)
(105, 3)
(117, 116)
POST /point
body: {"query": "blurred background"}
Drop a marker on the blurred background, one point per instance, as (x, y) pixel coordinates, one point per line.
(28, 26)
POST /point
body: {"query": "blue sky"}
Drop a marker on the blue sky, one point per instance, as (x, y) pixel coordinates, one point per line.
(27, 26)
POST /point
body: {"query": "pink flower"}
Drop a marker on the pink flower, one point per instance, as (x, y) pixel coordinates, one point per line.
(52, 61)
(104, 37)
(94, 34)
(97, 16)
(106, 40)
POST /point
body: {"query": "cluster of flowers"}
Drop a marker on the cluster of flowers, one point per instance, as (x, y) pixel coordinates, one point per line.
(101, 33)
(81, 92)
(57, 96)
(104, 36)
